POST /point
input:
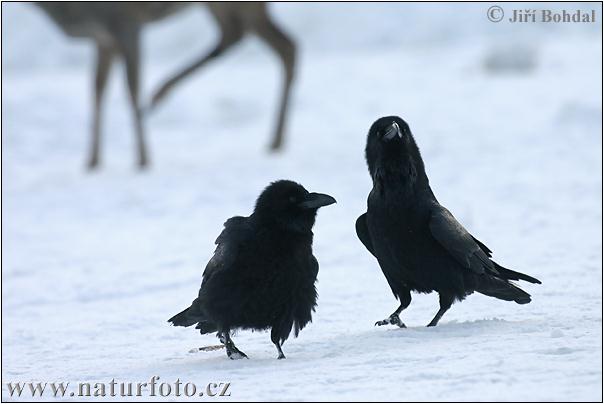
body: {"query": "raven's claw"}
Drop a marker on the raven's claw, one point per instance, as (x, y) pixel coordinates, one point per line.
(236, 354)
(393, 319)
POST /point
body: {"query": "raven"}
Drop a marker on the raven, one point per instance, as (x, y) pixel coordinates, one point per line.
(263, 272)
(418, 243)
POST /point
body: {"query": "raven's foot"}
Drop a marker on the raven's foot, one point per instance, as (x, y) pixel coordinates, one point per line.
(231, 350)
(234, 353)
(237, 355)
(279, 350)
(394, 319)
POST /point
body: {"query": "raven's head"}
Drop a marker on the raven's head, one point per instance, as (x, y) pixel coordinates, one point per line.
(289, 205)
(391, 150)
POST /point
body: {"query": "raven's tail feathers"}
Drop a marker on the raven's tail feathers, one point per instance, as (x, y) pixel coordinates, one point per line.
(193, 315)
(206, 327)
(502, 289)
(513, 275)
(185, 318)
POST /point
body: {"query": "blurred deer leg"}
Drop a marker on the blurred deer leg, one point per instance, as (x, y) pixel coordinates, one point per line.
(286, 49)
(103, 66)
(229, 38)
(131, 51)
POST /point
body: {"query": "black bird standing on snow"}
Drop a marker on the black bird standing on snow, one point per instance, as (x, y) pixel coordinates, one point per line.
(418, 243)
(263, 272)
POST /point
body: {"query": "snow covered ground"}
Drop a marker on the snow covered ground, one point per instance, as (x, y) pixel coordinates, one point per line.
(94, 265)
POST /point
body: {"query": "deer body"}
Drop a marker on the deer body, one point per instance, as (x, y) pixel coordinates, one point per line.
(115, 28)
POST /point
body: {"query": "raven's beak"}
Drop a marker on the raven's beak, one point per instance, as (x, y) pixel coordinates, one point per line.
(315, 200)
(392, 131)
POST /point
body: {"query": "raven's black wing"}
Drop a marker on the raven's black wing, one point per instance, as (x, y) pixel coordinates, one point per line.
(392, 274)
(458, 242)
(236, 230)
(505, 272)
(363, 233)
(470, 252)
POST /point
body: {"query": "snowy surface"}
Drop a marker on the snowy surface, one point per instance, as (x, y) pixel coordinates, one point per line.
(94, 265)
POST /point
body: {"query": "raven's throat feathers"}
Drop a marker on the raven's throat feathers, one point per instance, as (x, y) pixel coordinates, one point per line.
(404, 170)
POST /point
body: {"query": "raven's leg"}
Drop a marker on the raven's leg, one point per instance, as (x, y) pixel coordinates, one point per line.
(231, 349)
(446, 300)
(275, 339)
(405, 298)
